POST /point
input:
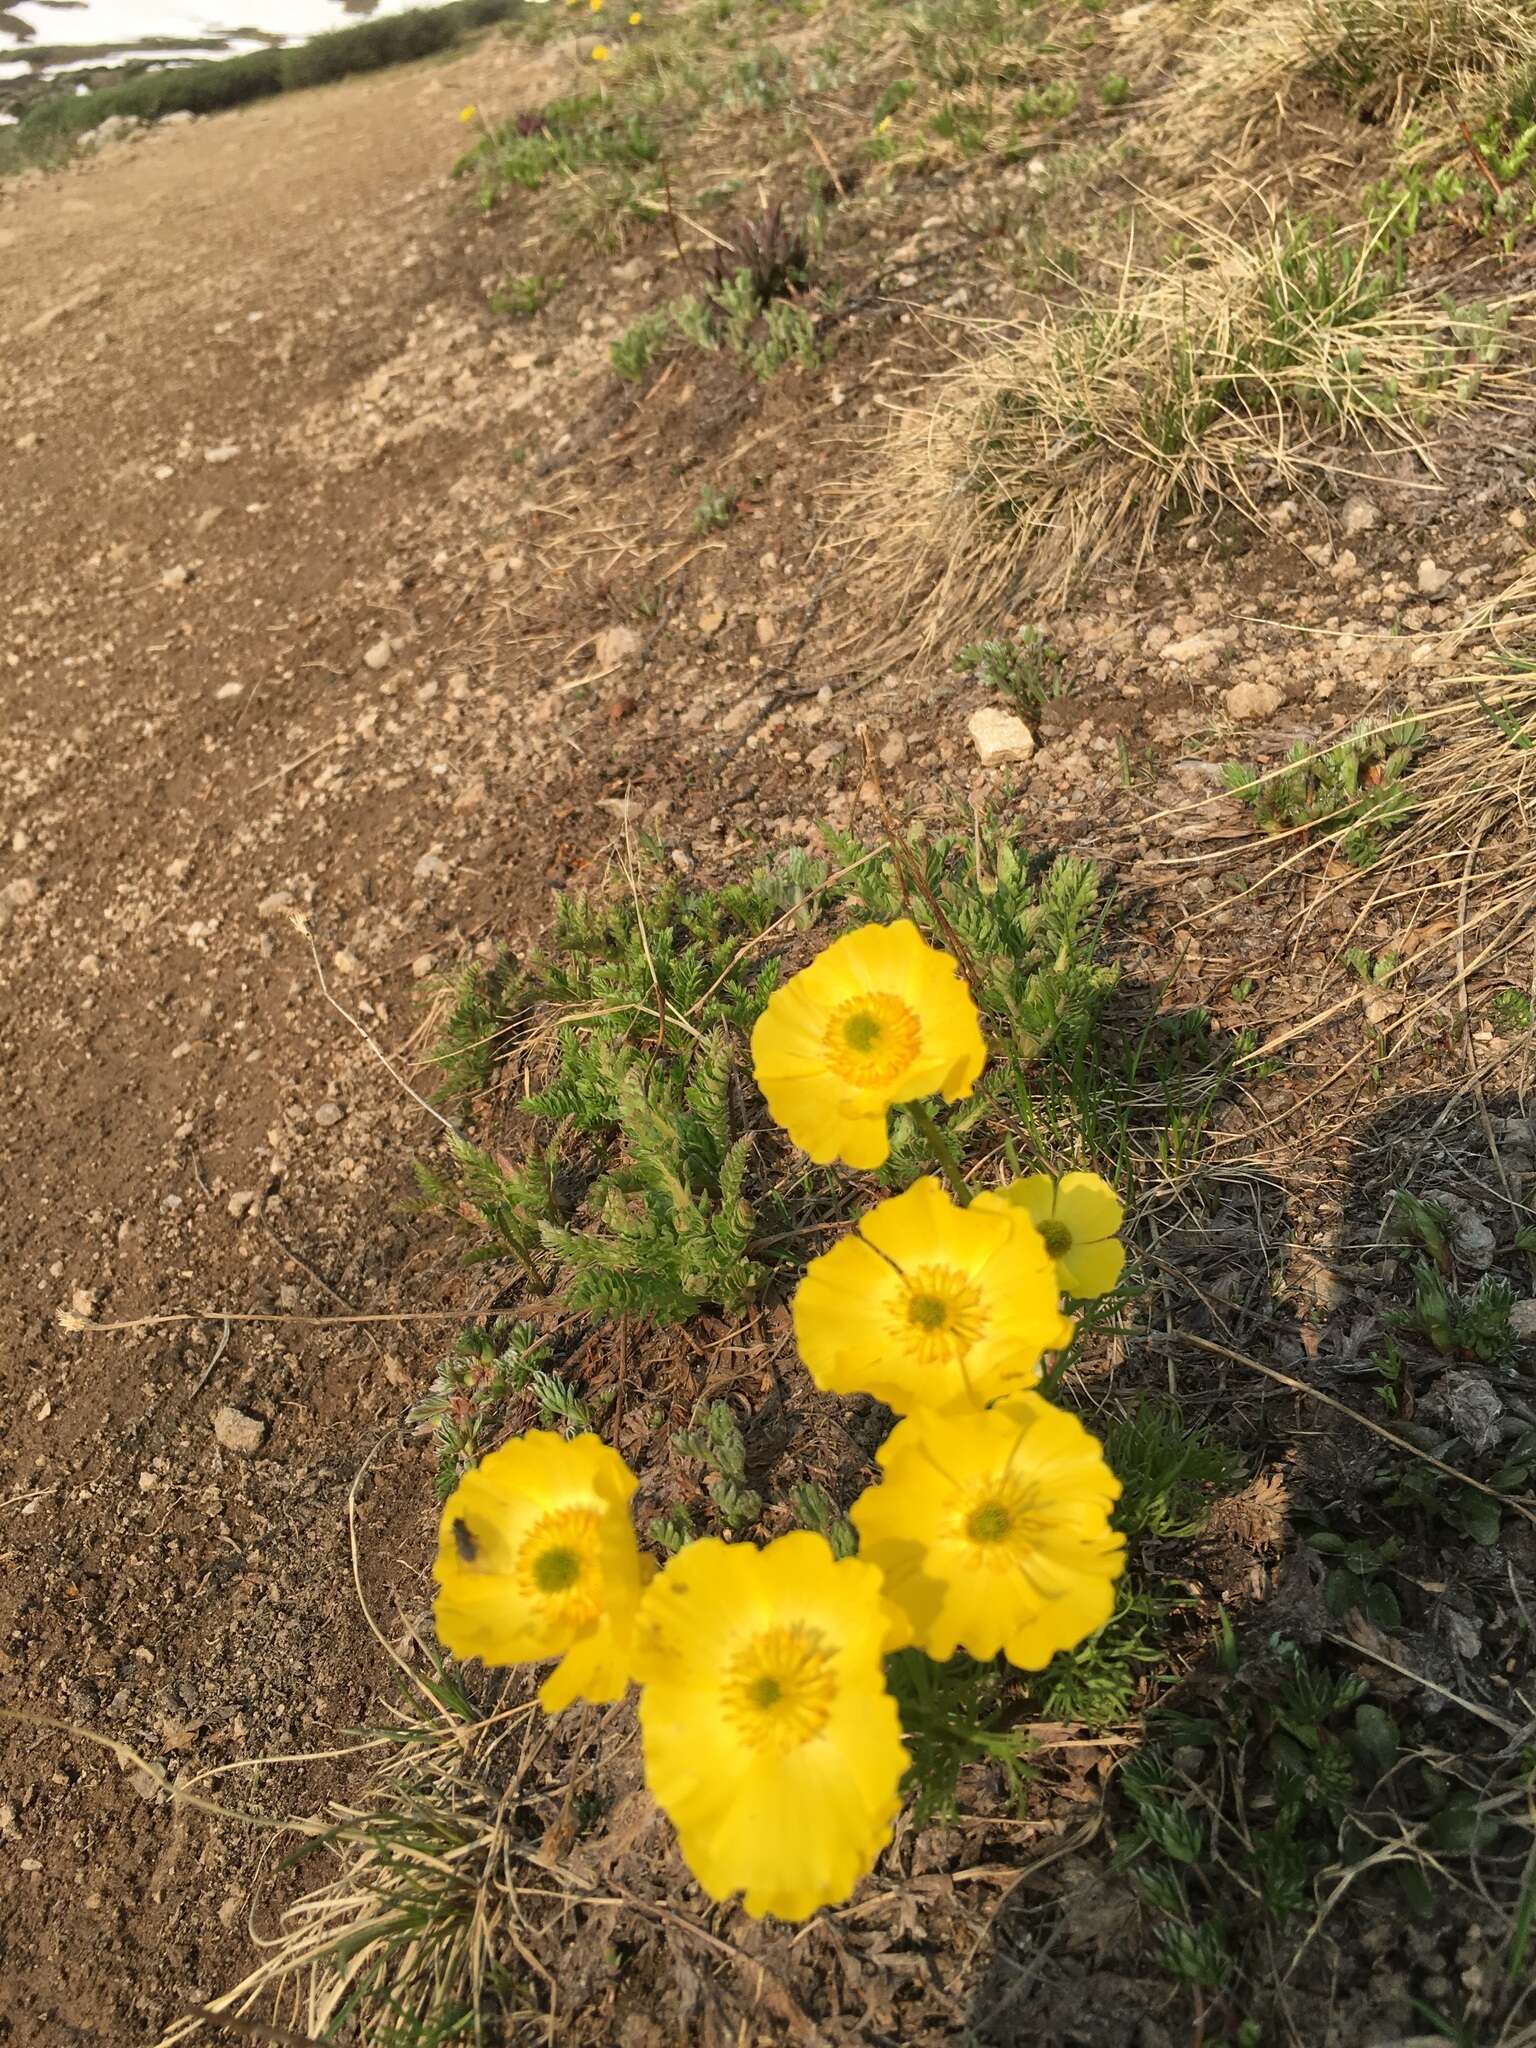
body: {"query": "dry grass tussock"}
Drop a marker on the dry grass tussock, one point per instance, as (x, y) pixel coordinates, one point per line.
(1245, 366)
(1232, 86)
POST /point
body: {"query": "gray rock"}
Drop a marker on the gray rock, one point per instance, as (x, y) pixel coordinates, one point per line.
(238, 1431)
(1522, 1320)
(1471, 1240)
(379, 655)
(329, 1113)
(1468, 1404)
(1360, 513)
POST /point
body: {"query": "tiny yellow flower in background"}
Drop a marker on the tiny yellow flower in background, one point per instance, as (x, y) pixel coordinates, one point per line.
(599, 53)
(466, 114)
(596, 6)
(770, 1739)
(635, 20)
(992, 1530)
(536, 1557)
(1077, 1216)
(928, 1305)
(882, 126)
(880, 1017)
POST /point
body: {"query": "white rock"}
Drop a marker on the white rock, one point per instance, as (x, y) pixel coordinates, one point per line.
(177, 578)
(226, 691)
(237, 1431)
(1320, 552)
(276, 904)
(1360, 513)
(1522, 1320)
(225, 452)
(242, 1202)
(1345, 568)
(329, 1113)
(1251, 701)
(422, 966)
(379, 655)
(1193, 646)
(711, 619)
(618, 644)
(999, 736)
(1432, 579)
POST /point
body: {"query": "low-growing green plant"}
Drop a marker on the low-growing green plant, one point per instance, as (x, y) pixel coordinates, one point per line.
(1026, 670)
(1470, 1324)
(477, 1389)
(1355, 794)
(715, 1440)
(569, 137)
(523, 297)
(716, 508)
(637, 347)
(649, 1193)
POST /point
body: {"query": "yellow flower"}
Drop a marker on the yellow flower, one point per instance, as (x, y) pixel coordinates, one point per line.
(596, 6)
(1077, 1216)
(599, 53)
(536, 1558)
(882, 127)
(992, 1530)
(466, 114)
(928, 1305)
(878, 1018)
(770, 1739)
(635, 20)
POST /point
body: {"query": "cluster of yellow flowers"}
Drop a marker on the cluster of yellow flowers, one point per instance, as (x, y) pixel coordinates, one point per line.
(770, 1736)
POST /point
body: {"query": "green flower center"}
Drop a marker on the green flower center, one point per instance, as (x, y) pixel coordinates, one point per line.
(863, 1032)
(1057, 1237)
(872, 1040)
(779, 1688)
(559, 1561)
(989, 1523)
(556, 1570)
(928, 1311)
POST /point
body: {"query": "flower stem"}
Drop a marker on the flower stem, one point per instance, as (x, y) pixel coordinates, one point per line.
(945, 1157)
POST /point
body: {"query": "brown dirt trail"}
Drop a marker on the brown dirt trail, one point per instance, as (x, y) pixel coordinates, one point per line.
(190, 584)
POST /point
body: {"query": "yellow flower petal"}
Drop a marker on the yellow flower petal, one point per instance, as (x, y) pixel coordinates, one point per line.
(1088, 1271)
(930, 1305)
(991, 1529)
(879, 1017)
(599, 53)
(1088, 1206)
(1076, 1217)
(537, 1558)
(769, 1737)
